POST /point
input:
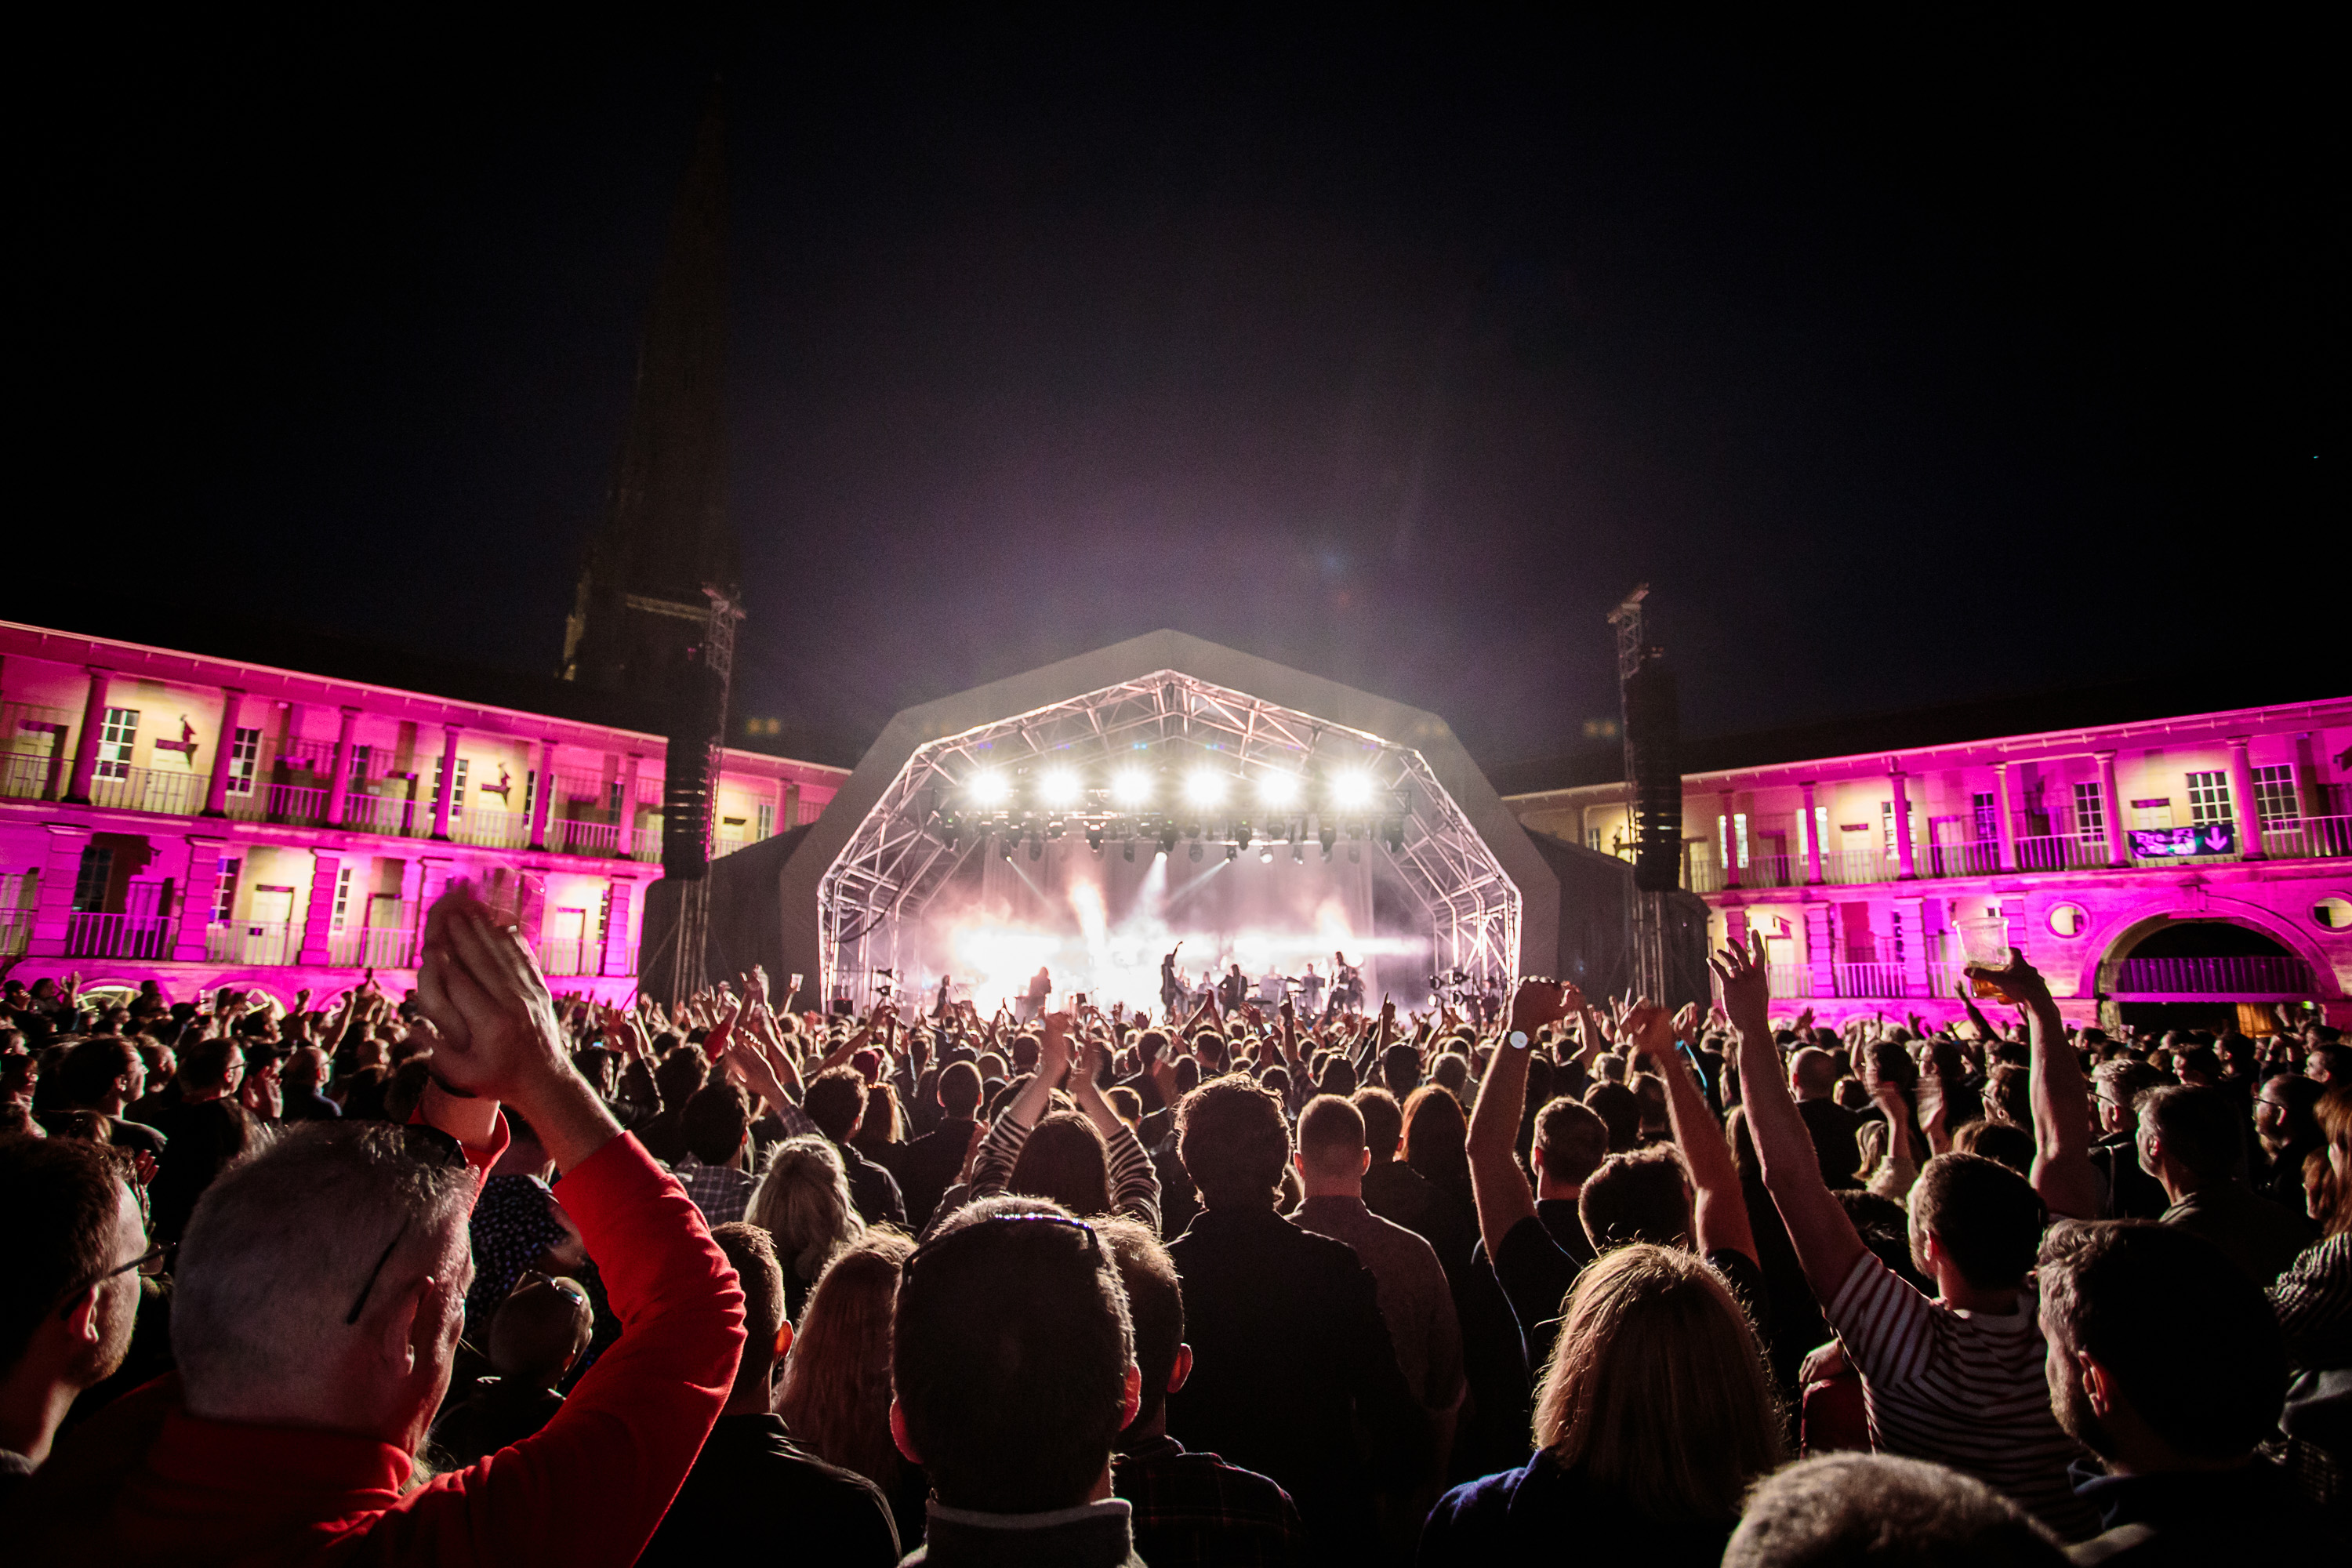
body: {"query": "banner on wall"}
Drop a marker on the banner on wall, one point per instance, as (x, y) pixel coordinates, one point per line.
(2164, 843)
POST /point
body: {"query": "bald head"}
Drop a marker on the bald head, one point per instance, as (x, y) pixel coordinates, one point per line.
(1812, 1073)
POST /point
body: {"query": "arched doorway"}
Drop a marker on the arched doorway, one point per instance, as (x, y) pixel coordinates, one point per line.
(2202, 972)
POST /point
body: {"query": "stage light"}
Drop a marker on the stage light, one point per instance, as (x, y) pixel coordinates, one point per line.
(1005, 848)
(1037, 850)
(1298, 854)
(1266, 857)
(1127, 851)
(1094, 839)
(1352, 790)
(988, 787)
(1196, 849)
(1329, 836)
(1059, 787)
(1395, 836)
(1205, 787)
(1131, 788)
(1277, 789)
(1233, 852)
(1168, 839)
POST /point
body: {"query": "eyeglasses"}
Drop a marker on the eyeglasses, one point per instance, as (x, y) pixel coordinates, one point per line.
(151, 1264)
(427, 1145)
(938, 1244)
(561, 1286)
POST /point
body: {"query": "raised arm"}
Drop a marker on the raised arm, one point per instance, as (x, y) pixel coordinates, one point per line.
(1719, 1209)
(2062, 1173)
(1826, 1242)
(993, 1166)
(1497, 1181)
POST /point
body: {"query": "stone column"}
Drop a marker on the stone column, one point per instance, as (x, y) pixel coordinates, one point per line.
(216, 791)
(1813, 839)
(340, 789)
(2243, 806)
(1904, 871)
(61, 868)
(1727, 840)
(2107, 797)
(624, 846)
(792, 806)
(191, 943)
(618, 916)
(93, 721)
(2008, 822)
(1820, 947)
(448, 790)
(433, 876)
(544, 793)
(319, 916)
(412, 911)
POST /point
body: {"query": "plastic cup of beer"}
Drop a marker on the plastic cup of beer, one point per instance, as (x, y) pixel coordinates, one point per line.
(1984, 942)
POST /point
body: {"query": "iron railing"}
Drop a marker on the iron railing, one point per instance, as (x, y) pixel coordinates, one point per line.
(253, 942)
(91, 934)
(2222, 976)
(372, 947)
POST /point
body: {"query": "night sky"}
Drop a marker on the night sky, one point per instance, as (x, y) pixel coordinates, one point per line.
(1905, 365)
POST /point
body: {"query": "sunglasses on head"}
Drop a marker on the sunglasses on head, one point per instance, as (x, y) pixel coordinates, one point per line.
(427, 1145)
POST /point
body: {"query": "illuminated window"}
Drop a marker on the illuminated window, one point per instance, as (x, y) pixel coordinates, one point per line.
(1731, 837)
(767, 820)
(116, 741)
(2275, 802)
(2209, 797)
(1887, 823)
(1988, 817)
(360, 764)
(225, 882)
(343, 896)
(458, 795)
(244, 757)
(2090, 812)
(1592, 839)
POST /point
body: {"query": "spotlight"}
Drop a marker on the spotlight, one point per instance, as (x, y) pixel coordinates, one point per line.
(1205, 787)
(1233, 853)
(1352, 790)
(1127, 851)
(988, 788)
(954, 833)
(1094, 839)
(1168, 839)
(1059, 787)
(1196, 849)
(1131, 788)
(1277, 789)
(1005, 848)
(1298, 854)
(1329, 836)
(1266, 857)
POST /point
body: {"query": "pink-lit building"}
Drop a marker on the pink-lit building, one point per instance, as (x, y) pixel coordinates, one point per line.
(206, 822)
(2161, 870)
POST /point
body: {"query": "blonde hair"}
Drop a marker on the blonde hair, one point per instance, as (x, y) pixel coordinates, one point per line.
(803, 1201)
(835, 1395)
(1656, 1387)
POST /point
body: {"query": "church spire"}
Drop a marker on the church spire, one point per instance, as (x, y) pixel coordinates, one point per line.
(639, 609)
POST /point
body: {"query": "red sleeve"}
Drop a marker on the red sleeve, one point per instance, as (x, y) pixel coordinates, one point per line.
(591, 1486)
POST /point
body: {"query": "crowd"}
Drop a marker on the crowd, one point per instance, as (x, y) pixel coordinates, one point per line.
(481, 1274)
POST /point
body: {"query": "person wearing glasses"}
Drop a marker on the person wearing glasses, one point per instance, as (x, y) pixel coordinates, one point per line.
(76, 1242)
(316, 1311)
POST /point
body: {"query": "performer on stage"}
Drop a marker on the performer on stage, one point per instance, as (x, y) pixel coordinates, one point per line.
(1033, 1005)
(941, 1010)
(1233, 990)
(1310, 991)
(1348, 985)
(1171, 984)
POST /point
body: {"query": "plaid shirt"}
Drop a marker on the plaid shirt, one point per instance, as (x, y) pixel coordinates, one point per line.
(1193, 1511)
(721, 1192)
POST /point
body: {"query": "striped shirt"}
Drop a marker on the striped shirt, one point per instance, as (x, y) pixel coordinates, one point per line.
(2314, 1303)
(1134, 1184)
(1963, 1389)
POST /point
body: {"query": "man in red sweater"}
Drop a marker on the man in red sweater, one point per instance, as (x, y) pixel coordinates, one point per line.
(319, 1296)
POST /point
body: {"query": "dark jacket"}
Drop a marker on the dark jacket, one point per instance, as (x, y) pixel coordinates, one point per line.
(755, 1493)
(2132, 1192)
(1291, 1359)
(2251, 1515)
(873, 1190)
(1537, 1512)
(930, 1165)
(2259, 1237)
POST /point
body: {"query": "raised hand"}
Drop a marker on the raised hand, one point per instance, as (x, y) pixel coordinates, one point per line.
(1646, 1026)
(2018, 983)
(1538, 1002)
(1054, 1052)
(1747, 987)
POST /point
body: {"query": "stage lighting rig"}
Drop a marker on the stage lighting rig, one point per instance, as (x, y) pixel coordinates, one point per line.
(1205, 787)
(1277, 789)
(1127, 851)
(1037, 849)
(1352, 790)
(1196, 849)
(989, 788)
(1060, 788)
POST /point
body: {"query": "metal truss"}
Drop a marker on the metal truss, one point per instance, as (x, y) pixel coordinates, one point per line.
(1168, 726)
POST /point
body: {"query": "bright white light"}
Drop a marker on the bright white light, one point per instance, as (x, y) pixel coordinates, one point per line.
(1132, 787)
(1352, 790)
(988, 788)
(1206, 786)
(1277, 788)
(1059, 787)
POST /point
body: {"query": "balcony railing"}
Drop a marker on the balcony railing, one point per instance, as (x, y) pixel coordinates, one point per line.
(1846, 867)
(491, 830)
(2311, 838)
(393, 814)
(1973, 858)
(168, 792)
(2219, 976)
(25, 775)
(92, 934)
(16, 930)
(374, 947)
(571, 956)
(253, 942)
(1870, 980)
(2061, 852)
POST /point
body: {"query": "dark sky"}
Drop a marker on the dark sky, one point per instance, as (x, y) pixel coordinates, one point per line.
(1905, 365)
